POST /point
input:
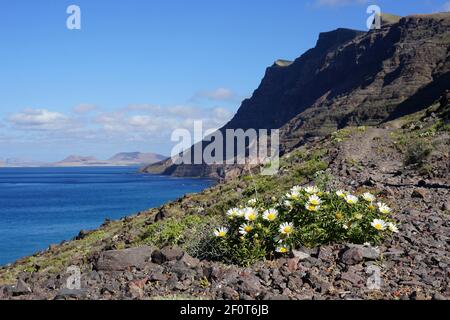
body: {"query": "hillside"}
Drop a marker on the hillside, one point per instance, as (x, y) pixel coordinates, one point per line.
(348, 78)
(404, 162)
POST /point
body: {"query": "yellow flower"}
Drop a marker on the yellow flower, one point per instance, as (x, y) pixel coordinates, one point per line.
(358, 216)
(339, 215)
(286, 228)
(270, 215)
(221, 232)
(282, 249)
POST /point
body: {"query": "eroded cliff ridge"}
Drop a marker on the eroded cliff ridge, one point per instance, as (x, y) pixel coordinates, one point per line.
(349, 78)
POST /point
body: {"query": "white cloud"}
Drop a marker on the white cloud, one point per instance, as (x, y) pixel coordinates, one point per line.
(219, 94)
(137, 126)
(38, 119)
(84, 108)
(339, 2)
(150, 120)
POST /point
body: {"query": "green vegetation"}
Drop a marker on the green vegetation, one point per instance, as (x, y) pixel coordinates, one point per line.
(417, 152)
(188, 232)
(307, 217)
(345, 133)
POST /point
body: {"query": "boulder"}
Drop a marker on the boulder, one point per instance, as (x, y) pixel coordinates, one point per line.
(167, 254)
(21, 288)
(319, 283)
(250, 285)
(300, 255)
(69, 294)
(352, 256)
(357, 253)
(160, 216)
(136, 289)
(419, 193)
(121, 260)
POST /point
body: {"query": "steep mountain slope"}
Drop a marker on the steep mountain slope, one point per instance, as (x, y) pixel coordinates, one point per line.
(349, 78)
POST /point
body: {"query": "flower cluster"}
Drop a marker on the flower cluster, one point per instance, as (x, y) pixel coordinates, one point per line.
(307, 216)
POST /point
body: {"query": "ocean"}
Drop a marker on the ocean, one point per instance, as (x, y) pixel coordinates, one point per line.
(43, 206)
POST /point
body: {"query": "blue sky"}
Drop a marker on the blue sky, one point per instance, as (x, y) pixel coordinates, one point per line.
(138, 69)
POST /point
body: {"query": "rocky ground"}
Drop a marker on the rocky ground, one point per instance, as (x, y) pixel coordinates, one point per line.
(413, 264)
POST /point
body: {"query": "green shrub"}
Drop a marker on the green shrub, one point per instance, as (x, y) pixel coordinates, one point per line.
(187, 232)
(311, 167)
(307, 217)
(417, 152)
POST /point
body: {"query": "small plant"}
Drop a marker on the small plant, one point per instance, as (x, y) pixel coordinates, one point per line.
(204, 283)
(417, 152)
(190, 233)
(305, 216)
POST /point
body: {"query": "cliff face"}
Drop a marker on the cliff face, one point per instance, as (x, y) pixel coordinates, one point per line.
(349, 78)
(381, 75)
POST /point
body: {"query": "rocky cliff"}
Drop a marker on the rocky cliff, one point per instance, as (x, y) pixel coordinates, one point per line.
(349, 78)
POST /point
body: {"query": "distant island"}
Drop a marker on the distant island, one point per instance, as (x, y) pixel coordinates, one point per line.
(120, 159)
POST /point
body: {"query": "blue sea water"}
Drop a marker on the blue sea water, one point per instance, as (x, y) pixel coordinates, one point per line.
(43, 206)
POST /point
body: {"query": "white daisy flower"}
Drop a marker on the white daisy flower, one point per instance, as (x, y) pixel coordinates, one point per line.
(311, 207)
(384, 208)
(245, 229)
(286, 228)
(314, 200)
(241, 213)
(250, 214)
(351, 199)
(270, 215)
(378, 224)
(296, 189)
(340, 193)
(368, 197)
(234, 212)
(312, 190)
(221, 232)
(294, 195)
(392, 227)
